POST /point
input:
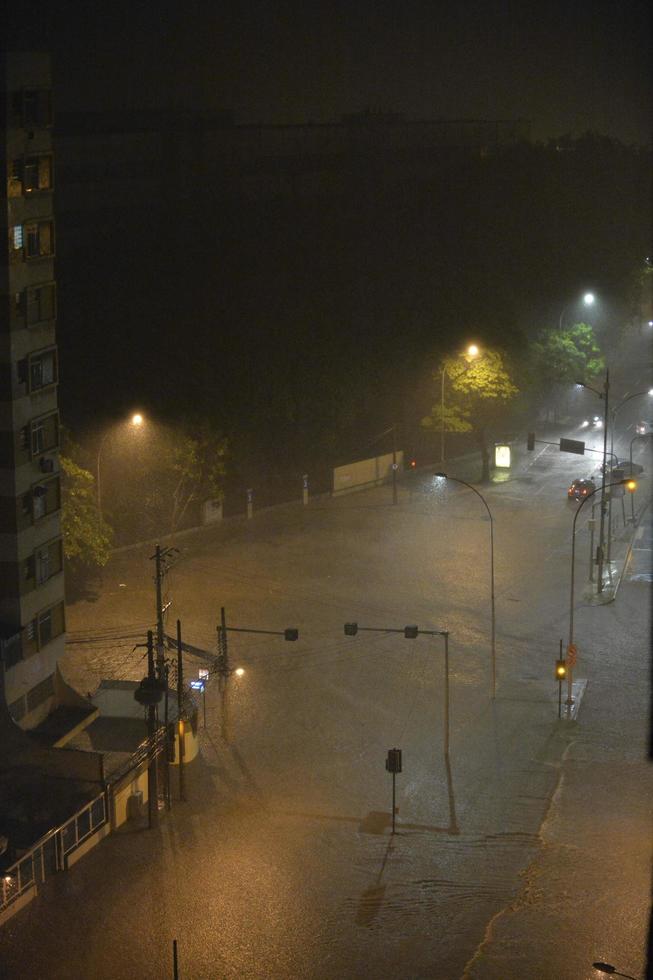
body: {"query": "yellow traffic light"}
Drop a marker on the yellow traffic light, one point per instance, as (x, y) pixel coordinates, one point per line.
(631, 485)
(561, 670)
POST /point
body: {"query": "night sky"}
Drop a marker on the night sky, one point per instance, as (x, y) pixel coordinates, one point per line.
(567, 66)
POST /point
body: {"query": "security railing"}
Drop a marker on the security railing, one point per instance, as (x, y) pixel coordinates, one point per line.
(48, 855)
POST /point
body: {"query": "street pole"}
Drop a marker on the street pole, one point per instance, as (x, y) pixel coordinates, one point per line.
(394, 808)
(223, 654)
(572, 583)
(394, 464)
(492, 603)
(442, 417)
(152, 780)
(592, 525)
(606, 391)
(97, 476)
(560, 686)
(446, 695)
(159, 613)
(180, 708)
(630, 474)
(168, 798)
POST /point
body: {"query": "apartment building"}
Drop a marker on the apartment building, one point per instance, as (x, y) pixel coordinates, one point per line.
(32, 618)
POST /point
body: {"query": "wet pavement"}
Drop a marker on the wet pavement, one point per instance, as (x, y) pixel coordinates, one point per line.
(524, 854)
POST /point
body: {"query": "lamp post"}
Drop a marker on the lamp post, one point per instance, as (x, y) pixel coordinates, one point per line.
(603, 395)
(619, 483)
(471, 352)
(588, 300)
(455, 479)
(136, 421)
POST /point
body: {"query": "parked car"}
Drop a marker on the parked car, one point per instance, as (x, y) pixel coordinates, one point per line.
(644, 427)
(580, 488)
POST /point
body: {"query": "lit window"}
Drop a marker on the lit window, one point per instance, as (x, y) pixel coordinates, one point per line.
(17, 237)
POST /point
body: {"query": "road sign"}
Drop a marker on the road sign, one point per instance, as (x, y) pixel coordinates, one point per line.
(572, 652)
(572, 446)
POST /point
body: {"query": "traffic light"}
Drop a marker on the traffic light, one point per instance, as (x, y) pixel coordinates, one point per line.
(410, 632)
(291, 634)
(393, 762)
(631, 485)
(351, 629)
(530, 443)
(561, 670)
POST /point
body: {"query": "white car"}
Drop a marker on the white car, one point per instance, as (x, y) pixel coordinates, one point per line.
(644, 427)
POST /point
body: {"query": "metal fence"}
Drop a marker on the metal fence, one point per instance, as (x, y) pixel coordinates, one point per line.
(48, 855)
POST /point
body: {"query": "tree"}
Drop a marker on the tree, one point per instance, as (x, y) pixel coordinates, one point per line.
(561, 357)
(86, 536)
(479, 389)
(188, 469)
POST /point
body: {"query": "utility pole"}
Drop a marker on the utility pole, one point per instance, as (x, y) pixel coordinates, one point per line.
(159, 557)
(223, 653)
(180, 713)
(159, 611)
(152, 780)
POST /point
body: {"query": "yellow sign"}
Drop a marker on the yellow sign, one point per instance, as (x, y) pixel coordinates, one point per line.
(502, 457)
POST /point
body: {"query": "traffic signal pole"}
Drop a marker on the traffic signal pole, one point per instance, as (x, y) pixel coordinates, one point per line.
(606, 391)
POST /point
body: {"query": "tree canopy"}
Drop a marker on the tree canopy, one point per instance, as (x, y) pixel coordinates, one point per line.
(478, 390)
(86, 536)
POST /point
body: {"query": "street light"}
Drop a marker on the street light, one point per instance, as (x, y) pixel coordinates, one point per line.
(588, 300)
(136, 421)
(443, 476)
(471, 352)
(630, 485)
(604, 396)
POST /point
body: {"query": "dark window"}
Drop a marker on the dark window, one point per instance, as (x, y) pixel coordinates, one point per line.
(39, 238)
(41, 303)
(42, 369)
(44, 434)
(28, 568)
(15, 181)
(47, 561)
(37, 107)
(51, 624)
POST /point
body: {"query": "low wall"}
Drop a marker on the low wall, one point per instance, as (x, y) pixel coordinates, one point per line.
(365, 472)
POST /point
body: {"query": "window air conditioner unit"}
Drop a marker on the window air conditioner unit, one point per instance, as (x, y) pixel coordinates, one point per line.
(46, 464)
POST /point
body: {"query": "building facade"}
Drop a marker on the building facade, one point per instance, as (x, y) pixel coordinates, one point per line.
(32, 618)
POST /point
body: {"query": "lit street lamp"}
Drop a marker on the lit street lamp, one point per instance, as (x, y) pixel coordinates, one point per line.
(588, 300)
(136, 421)
(471, 352)
(443, 476)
